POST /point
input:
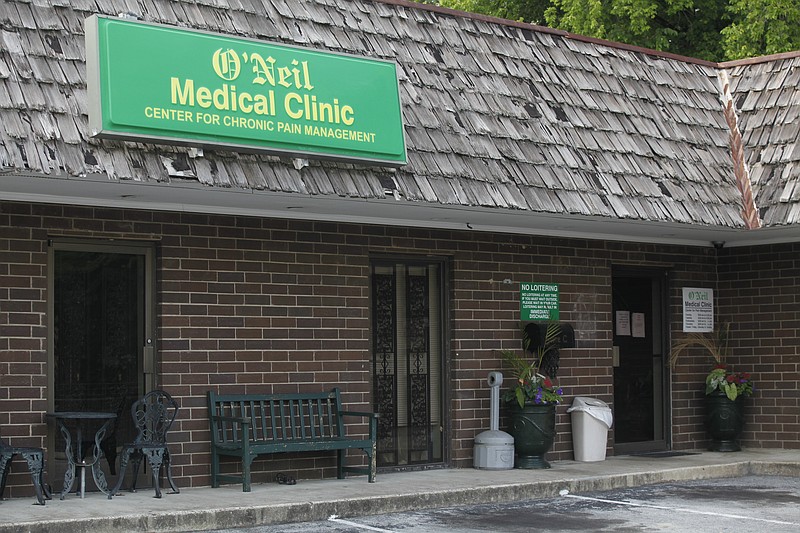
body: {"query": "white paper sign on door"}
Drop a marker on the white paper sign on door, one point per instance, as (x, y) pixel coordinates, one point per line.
(637, 324)
(624, 323)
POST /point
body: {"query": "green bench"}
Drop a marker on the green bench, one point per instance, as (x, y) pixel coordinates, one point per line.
(249, 425)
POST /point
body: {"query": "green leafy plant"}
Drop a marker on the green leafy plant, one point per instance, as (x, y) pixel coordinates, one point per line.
(721, 378)
(529, 383)
(734, 384)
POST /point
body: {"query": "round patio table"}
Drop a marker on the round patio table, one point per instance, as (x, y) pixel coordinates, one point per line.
(76, 457)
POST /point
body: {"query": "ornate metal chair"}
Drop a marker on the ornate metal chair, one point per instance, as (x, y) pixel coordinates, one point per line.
(153, 416)
(35, 459)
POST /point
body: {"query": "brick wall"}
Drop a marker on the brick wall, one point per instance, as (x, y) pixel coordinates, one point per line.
(688, 377)
(265, 304)
(760, 294)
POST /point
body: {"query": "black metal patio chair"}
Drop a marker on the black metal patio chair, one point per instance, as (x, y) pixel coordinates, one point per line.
(35, 459)
(153, 416)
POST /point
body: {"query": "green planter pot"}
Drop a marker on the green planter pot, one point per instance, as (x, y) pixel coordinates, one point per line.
(725, 421)
(534, 430)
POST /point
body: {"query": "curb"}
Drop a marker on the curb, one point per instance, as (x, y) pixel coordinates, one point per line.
(235, 517)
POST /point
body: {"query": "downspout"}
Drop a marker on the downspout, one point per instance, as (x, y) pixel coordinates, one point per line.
(741, 170)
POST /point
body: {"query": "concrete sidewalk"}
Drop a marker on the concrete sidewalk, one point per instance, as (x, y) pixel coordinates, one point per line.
(197, 509)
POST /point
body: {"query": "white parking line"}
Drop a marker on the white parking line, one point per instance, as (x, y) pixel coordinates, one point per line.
(680, 509)
(334, 518)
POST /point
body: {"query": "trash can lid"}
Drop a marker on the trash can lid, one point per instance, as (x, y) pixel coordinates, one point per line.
(593, 407)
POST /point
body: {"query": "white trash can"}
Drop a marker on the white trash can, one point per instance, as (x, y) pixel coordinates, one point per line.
(591, 420)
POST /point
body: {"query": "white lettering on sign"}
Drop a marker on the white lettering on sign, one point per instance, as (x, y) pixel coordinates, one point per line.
(538, 301)
(538, 287)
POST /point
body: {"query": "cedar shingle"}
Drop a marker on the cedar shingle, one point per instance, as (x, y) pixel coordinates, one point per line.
(496, 116)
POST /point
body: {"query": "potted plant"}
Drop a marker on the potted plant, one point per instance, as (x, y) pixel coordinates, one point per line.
(725, 389)
(532, 399)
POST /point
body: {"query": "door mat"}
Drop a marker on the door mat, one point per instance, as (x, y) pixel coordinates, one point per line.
(663, 454)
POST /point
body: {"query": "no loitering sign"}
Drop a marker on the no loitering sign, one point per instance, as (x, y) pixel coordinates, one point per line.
(538, 301)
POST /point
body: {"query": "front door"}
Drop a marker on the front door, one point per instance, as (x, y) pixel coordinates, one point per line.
(640, 415)
(101, 338)
(407, 348)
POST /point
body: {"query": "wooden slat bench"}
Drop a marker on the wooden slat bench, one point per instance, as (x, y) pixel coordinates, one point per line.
(249, 425)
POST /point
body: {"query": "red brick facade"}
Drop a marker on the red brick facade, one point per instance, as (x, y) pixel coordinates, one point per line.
(248, 304)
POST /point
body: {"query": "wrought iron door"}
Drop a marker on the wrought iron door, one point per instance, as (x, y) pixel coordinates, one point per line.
(407, 361)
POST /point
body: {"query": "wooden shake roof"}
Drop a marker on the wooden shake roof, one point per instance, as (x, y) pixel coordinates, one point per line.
(767, 97)
(501, 118)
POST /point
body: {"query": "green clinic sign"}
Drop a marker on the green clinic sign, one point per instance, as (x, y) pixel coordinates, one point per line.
(538, 301)
(152, 83)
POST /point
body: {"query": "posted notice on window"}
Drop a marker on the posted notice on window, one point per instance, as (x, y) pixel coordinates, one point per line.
(637, 325)
(623, 320)
(698, 310)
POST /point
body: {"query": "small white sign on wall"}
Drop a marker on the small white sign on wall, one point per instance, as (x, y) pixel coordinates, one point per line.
(698, 310)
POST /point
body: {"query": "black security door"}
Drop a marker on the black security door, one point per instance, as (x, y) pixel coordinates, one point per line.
(101, 341)
(407, 311)
(639, 357)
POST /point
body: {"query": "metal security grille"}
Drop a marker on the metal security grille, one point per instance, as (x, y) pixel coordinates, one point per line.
(418, 362)
(407, 360)
(385, 365)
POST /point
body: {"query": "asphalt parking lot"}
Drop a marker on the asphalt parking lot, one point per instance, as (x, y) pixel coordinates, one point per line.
(767, 503)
